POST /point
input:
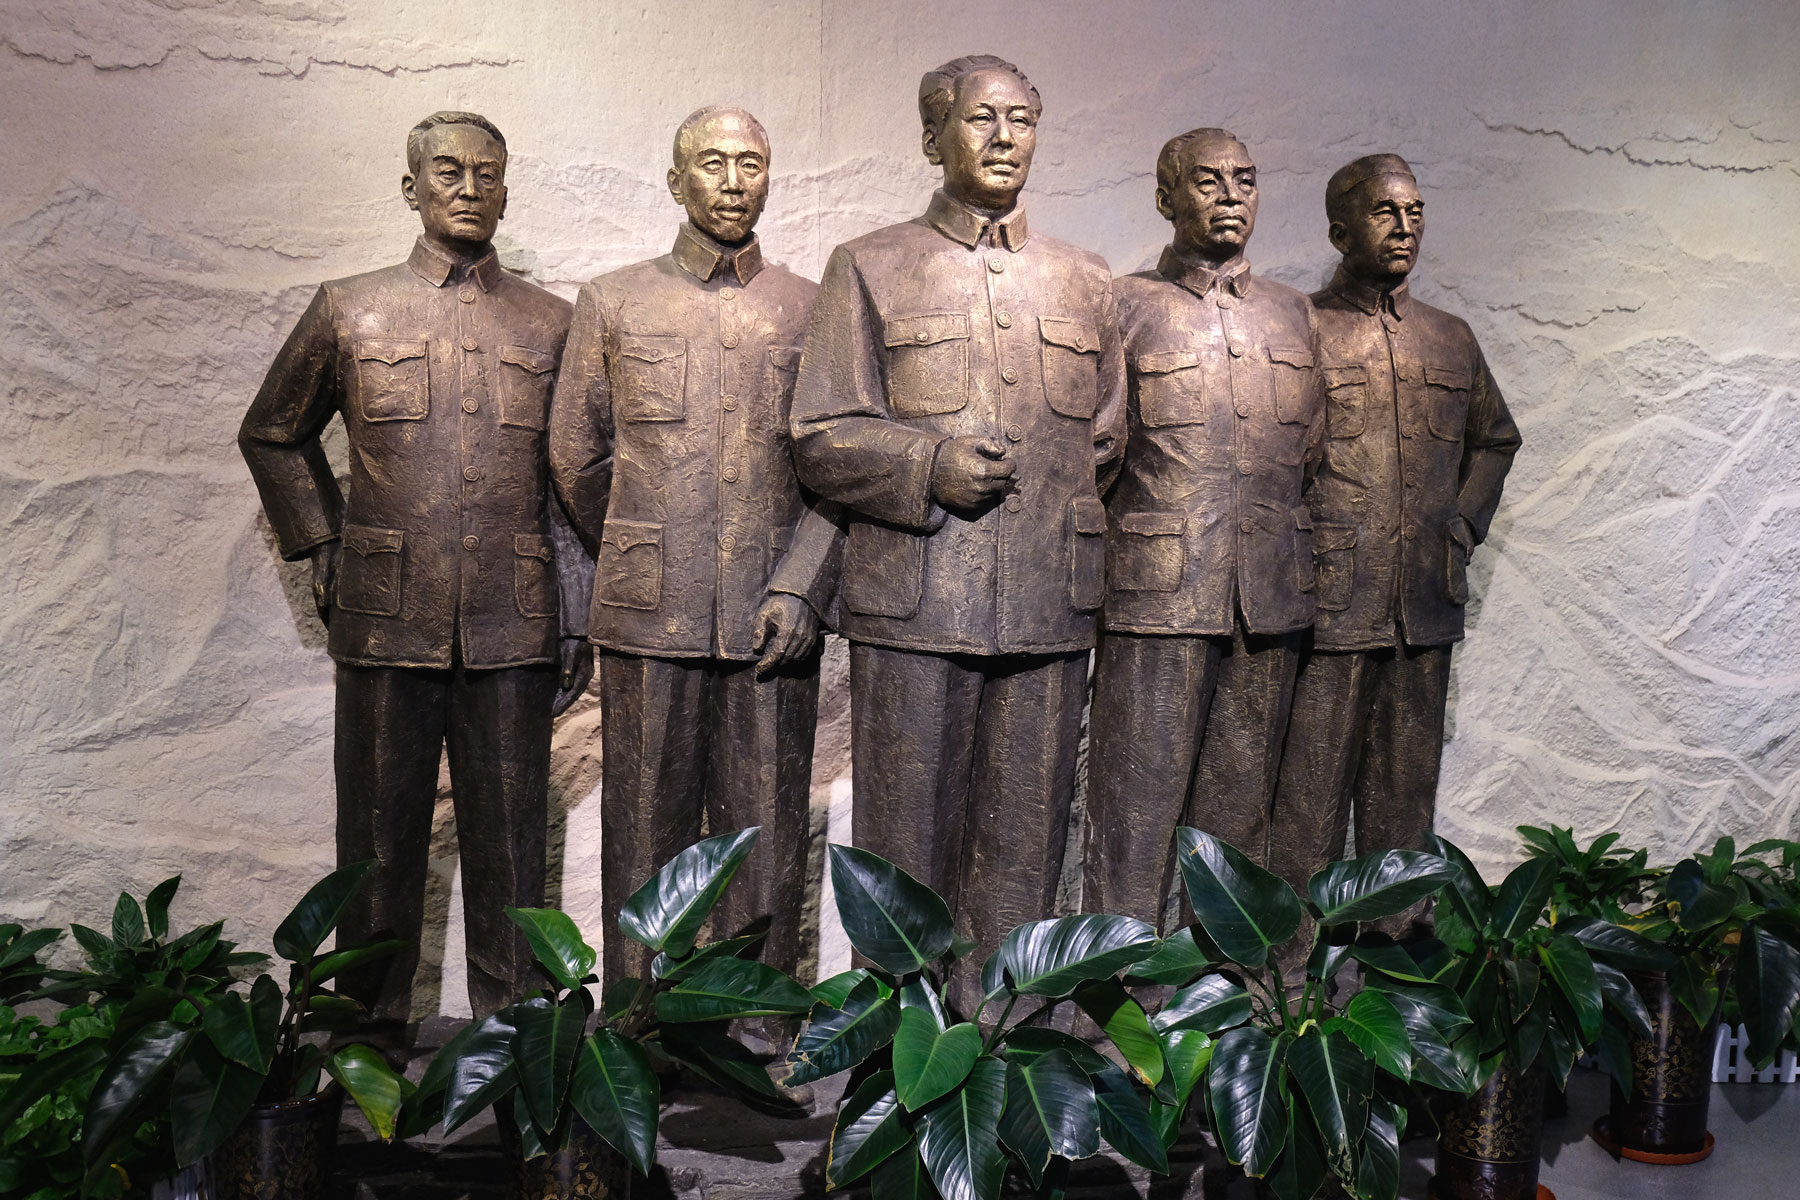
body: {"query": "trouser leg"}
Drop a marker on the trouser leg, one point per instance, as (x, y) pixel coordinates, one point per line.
(1151, 699)
(499, 743)
(653, 769)
(1396, 790)
(1320, 759)
(1240, 750)
(761, 774)
(390, 734)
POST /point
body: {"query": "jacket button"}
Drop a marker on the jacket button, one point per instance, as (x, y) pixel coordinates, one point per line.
(997, 265)
(1236, 347)
(730, 341)
(1014, 432)
(1245, 466)
(728, 403)
(468, 343)
(727, 541)
(466, 294)
(1003, 319)
(1011, 375)
(1013, 503)
(1227, 302)
(471, 473)
(1247, 525)
(730, 473)
(1409, 532)
(471, 543)
(471, 405)
(728, 293)
(1243, 410)
(1080, 341)
(921, 337)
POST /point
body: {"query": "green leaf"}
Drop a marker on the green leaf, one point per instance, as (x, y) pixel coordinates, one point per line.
(211, 1097)
(145, 1059)
(1125, 1120)
(1051, 958)
(1376, 885)
(1050, 1109)
(45, 1076)
(244, 1030)
(128, 922)
(1615, 1055)
(1768, 990)
(1521, 976)
(902, 1176)
(665, 966)
(615, 1091)
(667, 912)
(1209, 1004)
(836, 1039)
(483, 1070)
(425, 1107)
(929, 1062)
(869, 1128)
(1573, 971)
(1704, 903)
(339, 961)
(728, 988)
(918, 992)
(557, 944)
(1618, 946)
(1336, 1081)
(1022, 1044)
(156, 906)
(1187, 1052)
(1521, 898)
(1243, 908)
(1468, 892)
(959, 1135)
(1250, 1116)
(531, 1142)
(1622, 998)
(715, 1055)
(96, 945)
(545, 1039)
(1375, 1025)
(1300, 1171)
(332, 1014)
(25, 945)
(301, 932)
(1382, 953)
(1177, 960)
(834, 991)
(1436, 1025)
(1697, 988)
(1378, 1166)
(1123, 1018)
(892, 919)
(376, 1087)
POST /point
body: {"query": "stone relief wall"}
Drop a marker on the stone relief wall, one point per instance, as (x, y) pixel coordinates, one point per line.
(1612, 202)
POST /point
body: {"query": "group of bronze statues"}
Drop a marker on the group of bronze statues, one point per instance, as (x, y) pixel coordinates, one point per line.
(969, 450)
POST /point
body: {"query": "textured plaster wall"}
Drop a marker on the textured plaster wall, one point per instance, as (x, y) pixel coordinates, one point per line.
(1613, 192)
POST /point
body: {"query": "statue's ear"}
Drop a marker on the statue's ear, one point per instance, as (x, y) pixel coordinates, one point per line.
(674, 178)
(928, 143)
(1340, 240)
(409, 189)
(1162, 204)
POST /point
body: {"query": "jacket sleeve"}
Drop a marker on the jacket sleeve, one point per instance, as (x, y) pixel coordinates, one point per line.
(814, 563)
(581, 422)
(1315, 387)
(1109, 414)
(846, 446)
(1490, 439)
(280, 435)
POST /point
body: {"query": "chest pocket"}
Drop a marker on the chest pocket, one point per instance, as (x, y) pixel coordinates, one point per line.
(1071, 366)
(1171, 388)
(784, 365)
(1346, 400)
(525, 376)
(928, 363)
(393, 379)
(652, 378)
(1292, 369)
(1446, 402)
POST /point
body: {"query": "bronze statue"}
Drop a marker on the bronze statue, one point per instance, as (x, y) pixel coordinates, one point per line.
(1419, 445)
(669, 444)
(1210, 542)
(436, 575)
(961, 393)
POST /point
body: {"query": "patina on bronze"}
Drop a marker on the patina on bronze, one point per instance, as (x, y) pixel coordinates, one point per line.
(1210, 555)
(669, 443)
(961, 393)
(437, 574)
(1418, 444)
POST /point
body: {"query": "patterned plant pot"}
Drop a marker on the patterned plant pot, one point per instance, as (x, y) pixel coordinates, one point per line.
(1672, 1078)
(281, 1151)
(1490, 1143)
(584, 1169)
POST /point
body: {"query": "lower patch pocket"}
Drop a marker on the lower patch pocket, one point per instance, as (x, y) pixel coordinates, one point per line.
(1087, 553)
(629, 571)
(369, 574)
(534, 575)
(1148, 556)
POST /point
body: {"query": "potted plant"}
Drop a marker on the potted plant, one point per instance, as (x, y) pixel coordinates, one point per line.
(236, 1075)
(581, 1106)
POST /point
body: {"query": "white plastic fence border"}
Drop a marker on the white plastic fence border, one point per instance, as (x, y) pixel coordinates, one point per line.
(1732, 1065)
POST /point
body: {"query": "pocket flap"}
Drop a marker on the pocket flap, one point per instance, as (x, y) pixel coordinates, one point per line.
(785, 357)
(535, 361)
(1303, 518)
(367, 540)
(1152, 524)
(1342, 376)
(626, 534)
(779, 541)
(1459, 533)
(1076, 335)
(1088, 515)
(391, 350)
(925, 329)
(1446, 377)
(533, 545)
(1333, 537)
(1292, 356)
(646, 348)
(1161, 362)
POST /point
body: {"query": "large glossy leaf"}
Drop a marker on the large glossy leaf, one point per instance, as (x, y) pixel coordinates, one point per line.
(1250, 1116)
(1209, 1004)
(557, 944)
(146, 1058)
(1126, 1024)
(728, 988)
(1125, 1120)
(156, 906)
(1378, 1167)
(1704, 903)
(918, 992)
(46, 1075)
(1243, 908)
(1376, 885)
(1436, 1025)
(713, 1054)
(1178, 959)
(243, 1030)
(1027, 1043)
(1569, 965)
(1521, 897)
(836, 1039)
(928, 1062)
(833, 992)
(1623, 999)
(667, 912)
(1468, 892)
(425, 1106)
(128, 921)
(902, 1176)
(544, 1043)
(615, 1091)
(303, 930)
(869, 1127)
(1301, 1170)
(1187, 1053)
(664, 966)
(336, 963)
(377, 1089)
(959, 1135)
(1374, 1024)
(1697, 988)
(1050, 1110)
(1052, 958)
(1385, 955)
(1768, 989)
(892, 919)
(1335, 1079)
(1616, 945)
(211, 1097)
(1614, 1049)
(483, 1069)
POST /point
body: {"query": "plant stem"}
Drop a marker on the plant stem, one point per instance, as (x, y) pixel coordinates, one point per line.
(1000, 1026)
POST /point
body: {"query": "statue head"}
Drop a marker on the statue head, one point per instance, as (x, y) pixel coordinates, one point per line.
(721, 172)
(1206, 186)
(1377, 218)
(456, 177)
(980, 115)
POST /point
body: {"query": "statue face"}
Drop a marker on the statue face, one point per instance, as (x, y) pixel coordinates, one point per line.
(986, 143)
(1380, 242)
(1213, 202)
(460, 191)
(725, 181)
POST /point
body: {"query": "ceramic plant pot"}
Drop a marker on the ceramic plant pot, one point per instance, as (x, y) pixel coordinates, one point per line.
(281, 1151)
(1664, 1118)
(1490, 1143)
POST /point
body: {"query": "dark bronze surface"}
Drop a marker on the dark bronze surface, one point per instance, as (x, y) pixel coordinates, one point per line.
(1418, 444)
(961, 393)
(437, 573)
(281, 1151)
(1210, 554)
(1490, 1143)
(669, 443)
(1671, 1075)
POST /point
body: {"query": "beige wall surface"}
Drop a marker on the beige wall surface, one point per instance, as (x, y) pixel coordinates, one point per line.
(1614, 200)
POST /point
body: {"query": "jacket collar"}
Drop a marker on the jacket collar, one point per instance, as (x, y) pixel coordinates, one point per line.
(703, 257)
(1233, 275)
(960, 223)
(1368, 298)
(436, 268)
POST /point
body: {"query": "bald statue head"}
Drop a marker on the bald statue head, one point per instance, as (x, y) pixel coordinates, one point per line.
(1376, 219)
(1206, 186)
(721, 172)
